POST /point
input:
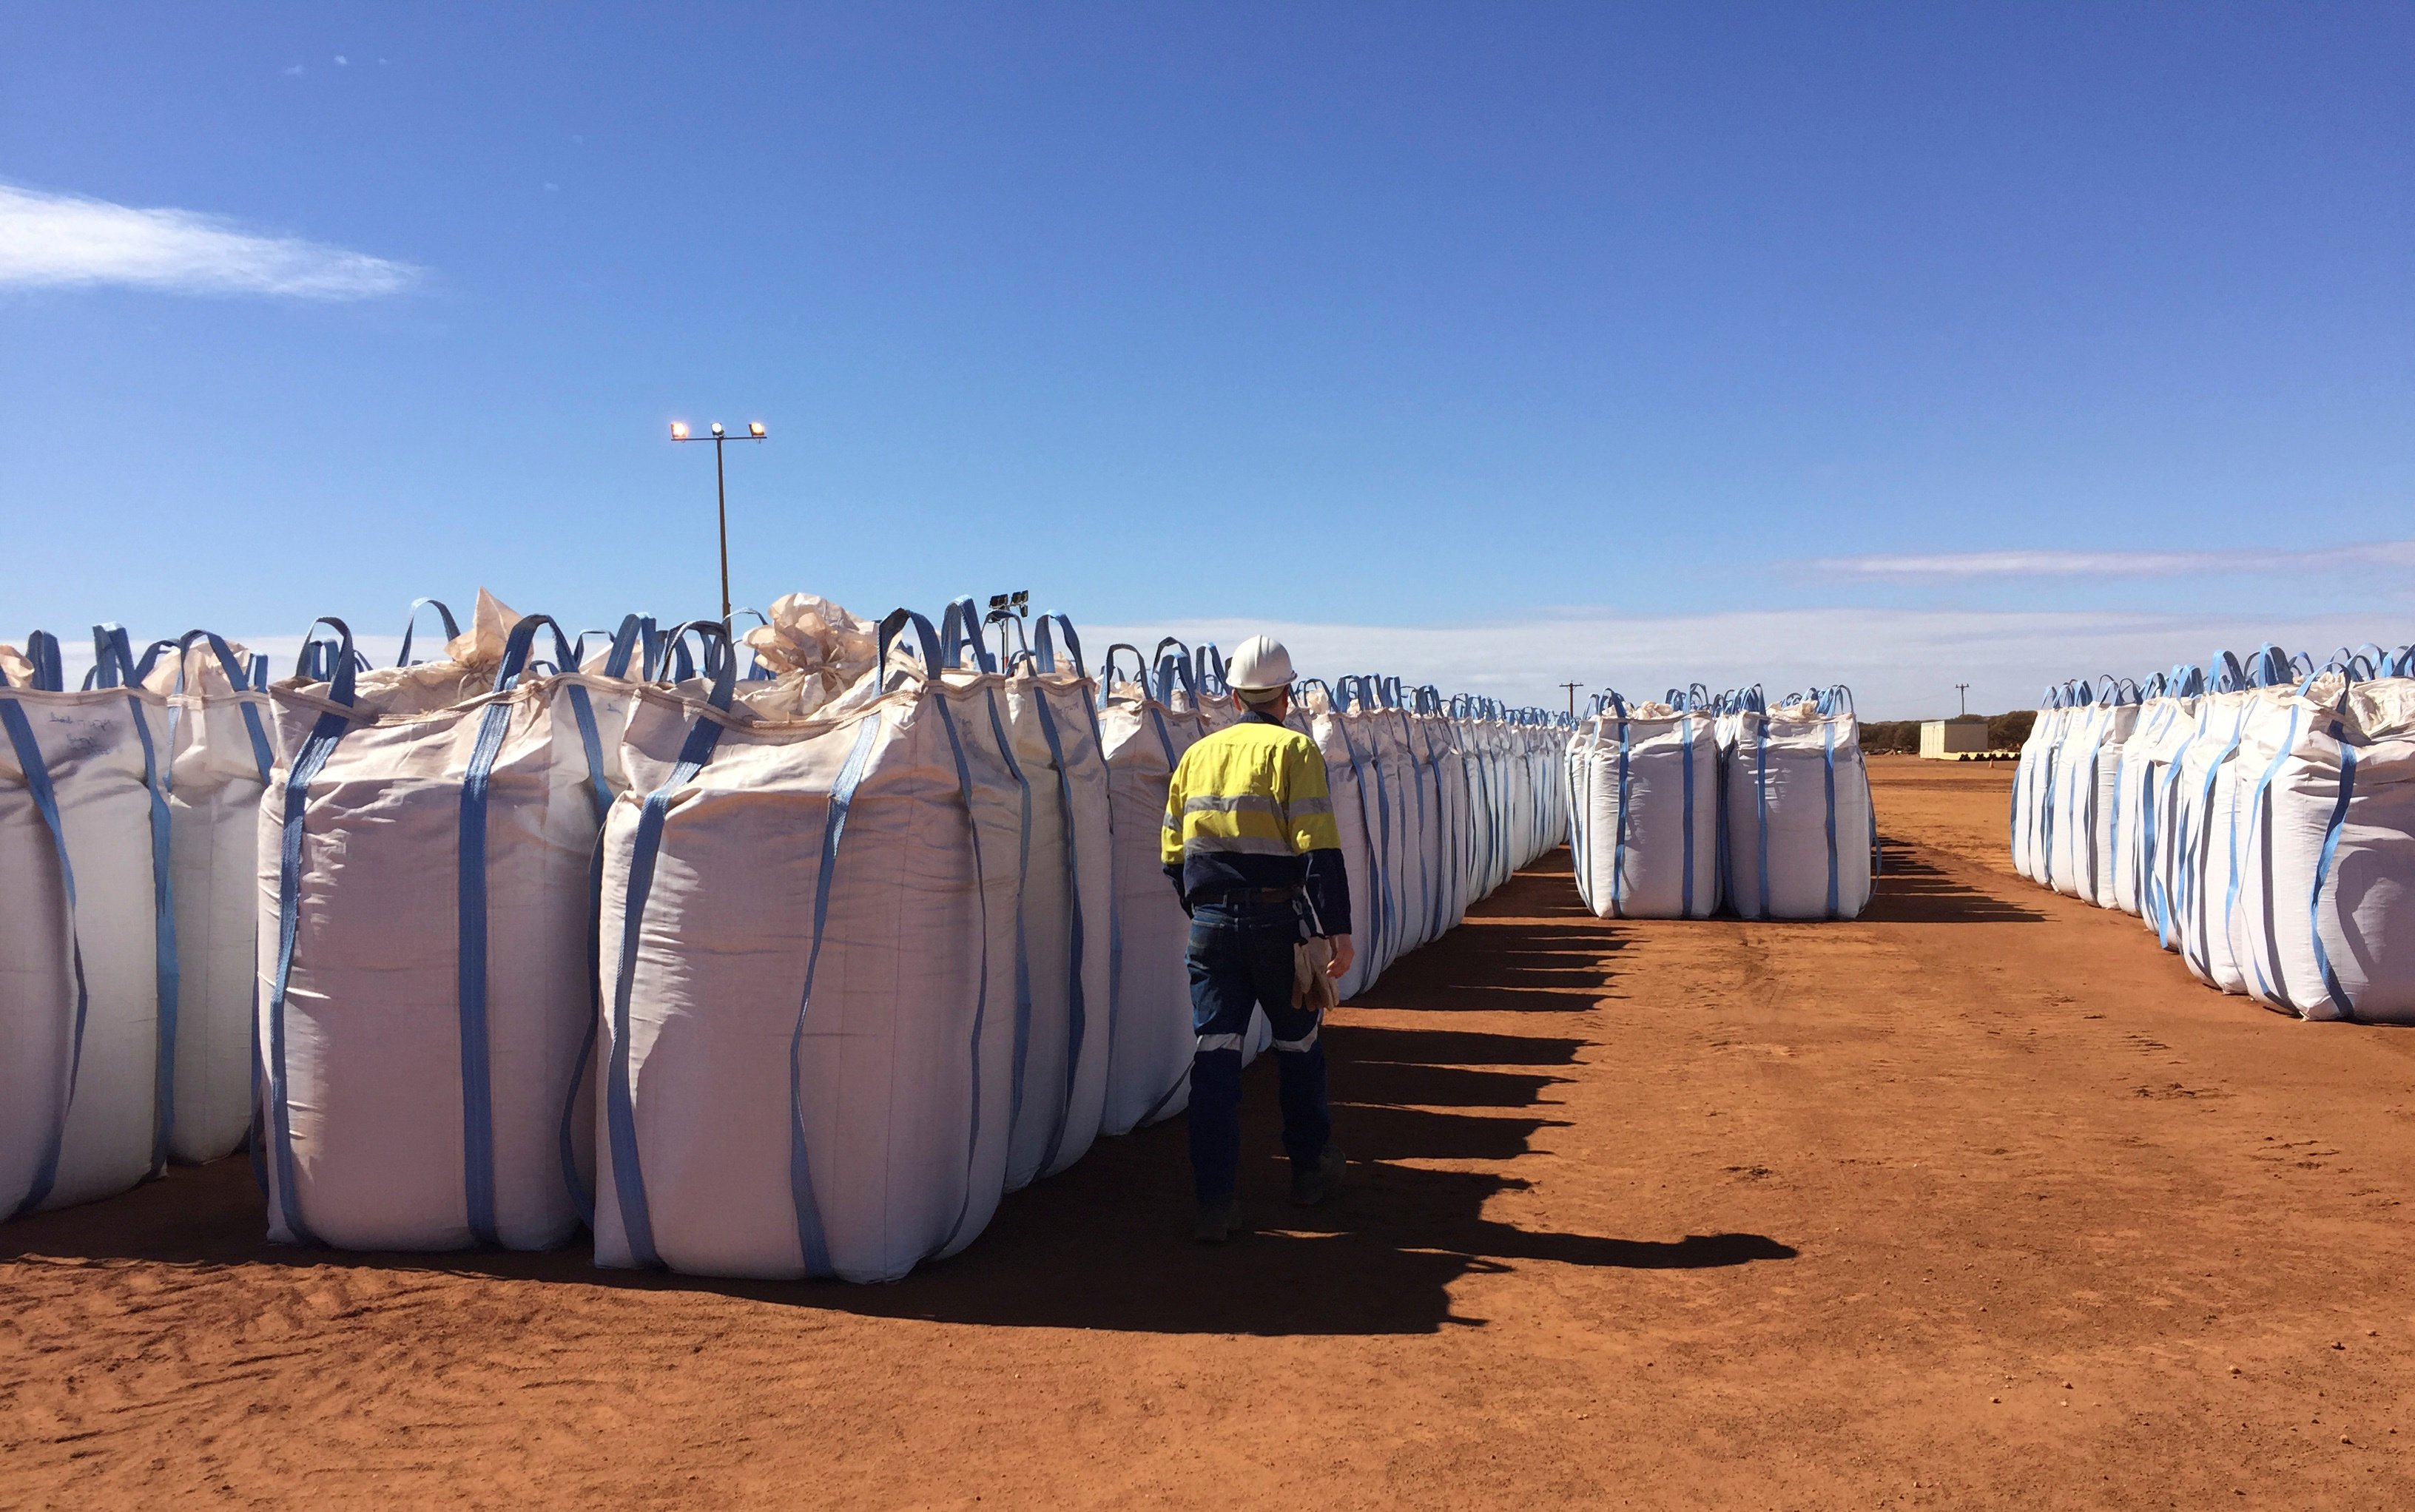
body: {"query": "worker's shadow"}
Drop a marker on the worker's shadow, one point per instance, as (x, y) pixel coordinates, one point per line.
(1107, 1244)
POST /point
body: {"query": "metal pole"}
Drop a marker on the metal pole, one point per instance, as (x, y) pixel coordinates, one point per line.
(1963, 691)
(1572, 688)
(721, 498)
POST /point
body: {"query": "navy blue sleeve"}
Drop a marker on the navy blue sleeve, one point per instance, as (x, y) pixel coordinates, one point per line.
(1329, 891)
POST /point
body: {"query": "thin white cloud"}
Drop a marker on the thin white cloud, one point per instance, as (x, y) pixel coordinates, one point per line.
(2059, 563)
(65, 240)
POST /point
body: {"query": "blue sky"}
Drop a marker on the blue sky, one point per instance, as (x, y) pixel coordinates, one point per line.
(1915, 344)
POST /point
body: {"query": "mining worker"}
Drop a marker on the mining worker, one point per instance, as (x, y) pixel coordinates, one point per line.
(1251, 846)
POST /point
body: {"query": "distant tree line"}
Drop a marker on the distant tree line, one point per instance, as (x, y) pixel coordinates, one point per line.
(1901, 737)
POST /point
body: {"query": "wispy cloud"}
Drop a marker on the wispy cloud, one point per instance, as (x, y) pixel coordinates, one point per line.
(64, 240)
(2054, 563)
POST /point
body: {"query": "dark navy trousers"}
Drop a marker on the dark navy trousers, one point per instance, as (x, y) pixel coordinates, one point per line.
(1240, 958)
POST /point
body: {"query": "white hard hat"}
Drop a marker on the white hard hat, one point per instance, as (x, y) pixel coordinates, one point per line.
(1260, 666)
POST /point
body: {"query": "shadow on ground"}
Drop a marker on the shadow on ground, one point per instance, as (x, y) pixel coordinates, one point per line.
(1914, 890)
(1106, 1245)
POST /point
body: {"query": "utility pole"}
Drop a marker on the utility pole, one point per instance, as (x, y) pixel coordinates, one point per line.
(1572, 688)
(1963, 690)
(721, 495)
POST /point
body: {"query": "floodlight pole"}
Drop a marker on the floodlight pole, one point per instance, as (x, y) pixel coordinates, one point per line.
(1572, 688)
(720, 496)
(1962, 690)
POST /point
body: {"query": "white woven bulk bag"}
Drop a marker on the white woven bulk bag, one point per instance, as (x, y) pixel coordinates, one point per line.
(2167, 708)
(218, 772)
(1347, 775)
(808, 959)
(1652, 846)
(2206, 793)
(1441, 761)
(1068, 896)
(426, 868)
(1425, 776)
(2159, 888)
(1459, 806)
(2086, 773)
(1373, 741)
(1405, 785)
(2323, 917)
(1473, 737)
(87, 952)
(1799, 825)
(1149, 1036)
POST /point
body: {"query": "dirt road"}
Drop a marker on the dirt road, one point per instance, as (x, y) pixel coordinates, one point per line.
(1975, 1202)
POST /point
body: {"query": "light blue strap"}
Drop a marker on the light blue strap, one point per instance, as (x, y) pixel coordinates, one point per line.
(477, 1072)
(1761, 801)
(812, 1242)
(2337, 994)
(619, 1101)
(1076, 994)
(1828, 781)
(114, 653)
(1022, 890)
(959, 628)
(1618, 845)
(2275, 986)
(316, 749)
(2196, 891)
(1043, 644)
(981, 1001)
(42, 651)
(580, 1197)
(410, 626)
(1685, 902)
(46, 802)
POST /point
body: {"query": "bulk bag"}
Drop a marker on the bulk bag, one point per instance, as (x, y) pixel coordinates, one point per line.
(2085, 772)
(1800, 832)
(1647, 836)
(2205, 779)
(218, 766)
(1149, 1036)
(2158, 884)
(1349, 779)
(1066, 889)
(427, 855)
(2168, 705)
(2320, 878)
(832, 879)
(87, 944)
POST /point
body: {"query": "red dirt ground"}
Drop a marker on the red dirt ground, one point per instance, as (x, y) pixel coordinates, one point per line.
(1978, 1201)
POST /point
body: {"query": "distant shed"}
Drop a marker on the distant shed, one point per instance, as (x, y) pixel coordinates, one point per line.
(1943, 739)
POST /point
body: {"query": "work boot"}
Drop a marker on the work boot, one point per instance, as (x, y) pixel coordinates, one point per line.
(1319, 1181)
(1216, 1222)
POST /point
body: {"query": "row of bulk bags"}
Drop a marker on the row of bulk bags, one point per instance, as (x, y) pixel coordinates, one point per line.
(1436, 805)
(88, 963)
(2226, 793)
(1799, 836)
(1643, 808)
(426, 871)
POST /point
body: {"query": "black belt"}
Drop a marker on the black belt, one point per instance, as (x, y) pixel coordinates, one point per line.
(1229, 896)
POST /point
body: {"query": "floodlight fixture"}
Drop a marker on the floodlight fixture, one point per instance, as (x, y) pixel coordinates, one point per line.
(721, 493)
